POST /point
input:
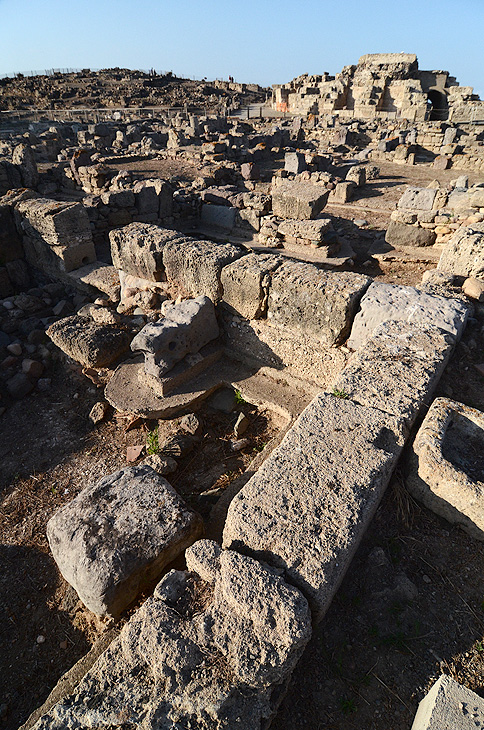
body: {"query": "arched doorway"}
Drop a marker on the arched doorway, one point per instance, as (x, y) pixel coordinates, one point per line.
(437, 105)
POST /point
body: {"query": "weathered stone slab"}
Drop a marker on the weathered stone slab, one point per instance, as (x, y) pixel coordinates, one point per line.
(449, 706)
(406, 304)
(117, 536)
(98, 277)
(185, 329)
(58, 224)
(93, 345)
(315, 302)
(309, 230)
(464, 253)
(446, 467)
(401, 234)
(137, 249)
(294, 162)
(397, 368)
(210, 649)
(307, 507)
(298, 200)
(184, 371)
(195, 266)
(417, 199)
(245, 284)
(218, 216)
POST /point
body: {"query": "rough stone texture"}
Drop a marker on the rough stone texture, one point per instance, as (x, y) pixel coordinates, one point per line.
(417, 199)
(245, 284)
(464, 253)
(315, 302)
(400, 234)
(294, 162)
(397, 368)
(184, 330)
(10, 242)
(23, 157)
(100, 277)
(205, 653)
(309, 230)
(117, 536)
(195, 266)
(137, 249)
(298, 200)
(474, 289)
(93, 345)
(406, 304)
(306, 509)
(57, 235)
(449, 706)
(446, 466)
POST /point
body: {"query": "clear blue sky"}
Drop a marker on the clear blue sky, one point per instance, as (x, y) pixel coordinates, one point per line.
(263, 41)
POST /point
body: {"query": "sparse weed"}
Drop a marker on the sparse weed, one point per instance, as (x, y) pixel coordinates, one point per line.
(347, 706)
(239, 398)
(340, 393)
(152, 444)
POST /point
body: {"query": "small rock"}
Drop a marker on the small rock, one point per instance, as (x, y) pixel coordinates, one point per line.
(44, 384)
(134, 452)
(40, 639)
(63, 645)
(62, 308)
(8, 304)
(15, 349)
(191, 424)
(473, 288)
(33, 368)
(19, 386)
(161, 464)
(223, 400)
(426, 579)
(241, 425)
(9, 362)
(99, 412)
(239, 444)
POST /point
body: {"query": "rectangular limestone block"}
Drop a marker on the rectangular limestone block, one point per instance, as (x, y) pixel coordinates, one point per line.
(298, 200)
(382, 302)
(463, 255)
(417, 198)
(245, 284)
(218, 216)
(93, 345)
(58, 224)
(195, 267)
(117, 535)
(315, 302)
(308, 506)
(397, 369)
(137, 249)
(211, 648)
(449, 706)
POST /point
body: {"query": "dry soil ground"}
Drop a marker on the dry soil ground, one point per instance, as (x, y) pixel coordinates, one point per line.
(410, 607)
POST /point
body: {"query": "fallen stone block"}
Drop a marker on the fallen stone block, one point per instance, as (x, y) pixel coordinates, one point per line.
(298, 200)
(195, 266)
(98, 277)
(417, 199)
(295, 162)
(343, 192)
(399, 353)
(401, 234)
(307, 507)
(405, 304)
(449, 706)
(137, 249)
(210, 649)
(310, 231)
(245, 284)
(93, 345)
(463, 255)
(315, 302)
(446, 468)
(117, 536)
(218, 216)
(184, 330)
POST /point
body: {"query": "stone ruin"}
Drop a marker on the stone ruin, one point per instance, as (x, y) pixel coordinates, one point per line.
(234, 279)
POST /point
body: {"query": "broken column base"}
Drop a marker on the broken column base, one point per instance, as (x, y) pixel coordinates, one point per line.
(188, 368)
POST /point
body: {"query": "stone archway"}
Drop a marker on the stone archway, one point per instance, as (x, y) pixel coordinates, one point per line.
(437, 105)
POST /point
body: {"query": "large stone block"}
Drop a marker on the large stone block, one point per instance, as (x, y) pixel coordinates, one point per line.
(406, 304)
(93, 345)
(449, 706)
(245, 284)
(464, 253)
(311, 231)
(417, 199)
(400, 353)
(117, 536)
(308, 506)
(137, 249)
(401, 234)
(195, 266)
(213, 648)
(294, 162)
(315, 302)
(218, 216)
(446, 468)
(298, 200)
(184, 330)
